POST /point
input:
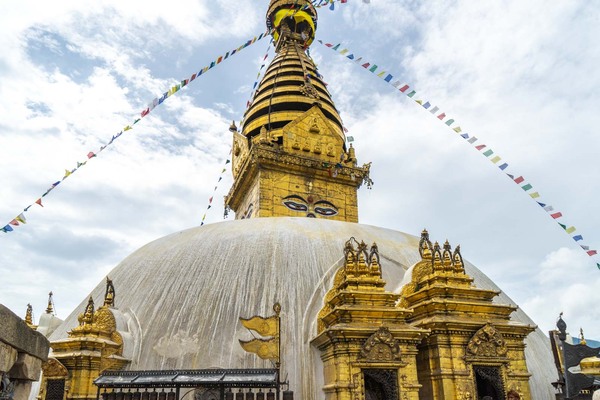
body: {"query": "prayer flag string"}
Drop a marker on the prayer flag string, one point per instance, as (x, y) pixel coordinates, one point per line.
(485, 150)
(20, 219)
(210, 199)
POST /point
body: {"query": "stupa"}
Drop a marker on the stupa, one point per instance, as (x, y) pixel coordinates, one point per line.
(367, 312)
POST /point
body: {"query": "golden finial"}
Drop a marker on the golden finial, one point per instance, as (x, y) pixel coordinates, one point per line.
(458, 260)
(50, 308)
(425, 245)
(109, 296)
(582, 340)
(29, 315)
(447, 256)
(88, 315)
(437, 257)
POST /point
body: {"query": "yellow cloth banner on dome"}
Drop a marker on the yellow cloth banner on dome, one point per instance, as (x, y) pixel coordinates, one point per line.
(299, 16)
(263, 326)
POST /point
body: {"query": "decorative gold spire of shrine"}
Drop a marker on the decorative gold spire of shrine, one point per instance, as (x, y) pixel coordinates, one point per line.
(109, 296)
(29, 317)
(50, 308)
(581, 337)
(290, 156)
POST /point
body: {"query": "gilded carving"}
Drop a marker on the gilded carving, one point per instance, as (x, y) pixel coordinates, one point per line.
(104, 320)
(381, 346)
(487, 342)
(54, 369)
(465, 392)
(309, 90)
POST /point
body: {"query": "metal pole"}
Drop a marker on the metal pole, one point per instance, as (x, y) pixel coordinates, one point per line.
(562, 336)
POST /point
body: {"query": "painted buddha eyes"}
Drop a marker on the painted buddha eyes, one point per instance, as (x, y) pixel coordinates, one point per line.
(295, 205)
(325, 208)
(311, 207)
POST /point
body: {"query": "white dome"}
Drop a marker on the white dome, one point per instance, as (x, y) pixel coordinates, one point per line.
(181, 295)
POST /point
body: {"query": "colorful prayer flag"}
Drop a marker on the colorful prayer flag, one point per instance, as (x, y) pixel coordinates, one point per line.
(527, 187)
(39, 202)
(21, 218)
(592, 253)
(91, 154)
(577, 238)
(519, 180)
(556, 215)
(570, 229)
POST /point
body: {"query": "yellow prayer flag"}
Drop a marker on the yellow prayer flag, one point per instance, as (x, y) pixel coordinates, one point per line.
(263, 326)
(495, 159)
(419, 102)
(570, 230)
(535, 195)
(67, 173)
(381, 74)
(457, 129)
(127, 128)
(265, 349)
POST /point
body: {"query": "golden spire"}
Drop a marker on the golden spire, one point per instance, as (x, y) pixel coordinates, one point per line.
(29, 316)
(289, 158)
(291, 85)
(87, 317)
(50, 308)
(582, 340)
(109, 296)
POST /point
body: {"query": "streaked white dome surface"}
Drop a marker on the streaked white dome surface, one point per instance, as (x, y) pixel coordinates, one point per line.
(180, 296)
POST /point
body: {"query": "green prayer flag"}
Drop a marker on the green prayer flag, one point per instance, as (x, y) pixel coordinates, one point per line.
(373, 68)
(488, 153)
(527, 187)
(563, 226)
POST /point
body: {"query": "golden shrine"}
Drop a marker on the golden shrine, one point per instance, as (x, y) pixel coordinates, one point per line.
(345, 336)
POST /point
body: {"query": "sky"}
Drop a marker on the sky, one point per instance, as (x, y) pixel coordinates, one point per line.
(520, 76)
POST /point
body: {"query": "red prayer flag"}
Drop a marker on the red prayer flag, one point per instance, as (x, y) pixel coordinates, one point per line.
(91, 154)
(592, 253)
(556, 215)
(404, 88)
(145, 112)
(39, 201)
(442, 116)
(366, 65)
(480, 147)
(14, 222)
(519, 180)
